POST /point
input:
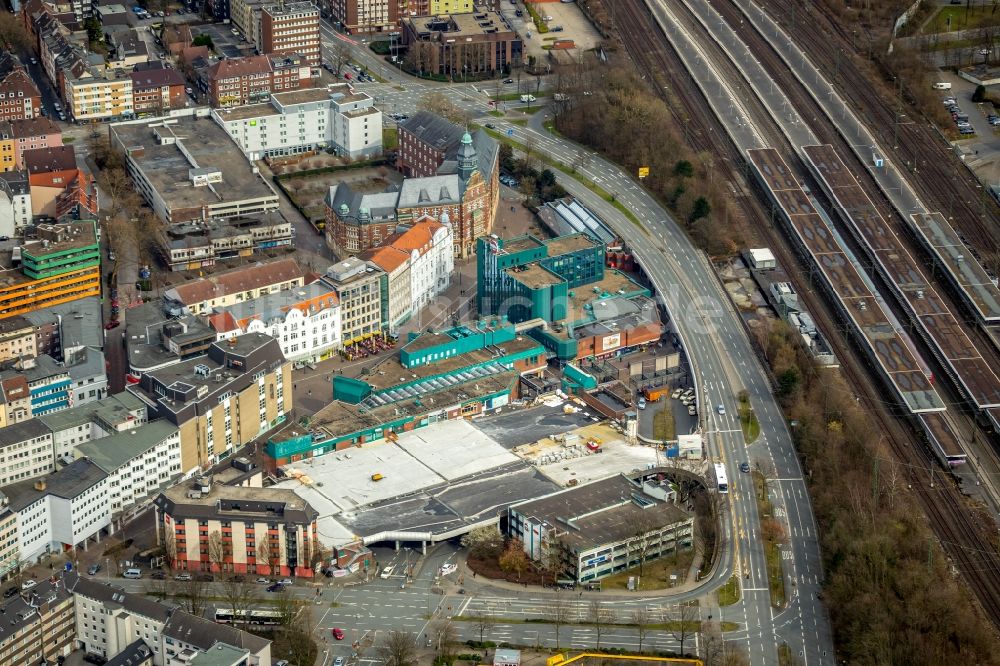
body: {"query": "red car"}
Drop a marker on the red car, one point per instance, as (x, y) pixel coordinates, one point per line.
(112, 324)
(338, 633)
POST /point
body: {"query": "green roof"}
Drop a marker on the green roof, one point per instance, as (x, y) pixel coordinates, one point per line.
(219, 654)
(110, 453)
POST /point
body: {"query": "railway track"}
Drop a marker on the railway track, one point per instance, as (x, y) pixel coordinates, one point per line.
(940, 177)
(962, 536)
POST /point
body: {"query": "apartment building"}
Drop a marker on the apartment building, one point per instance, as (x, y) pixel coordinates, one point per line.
(365, 16)
(187, 169)
(249, 80)
(25, 451)
(432, 259)
(61, 329)
(15, 203)
(49, 383)
(76, 426)
(15, 399)
(60, 511)
(99, 95)
(111, 622)
(222, 290)
(19, 96)
(223, 400)
(107, 620)
(59, 188)
(211, 527)
(17, 136)
(17, 338)
(292, 27)
(395, 263)
(363, 290)
(245, 15)
(139, 462)
(305, 321)
(305, 121)
(156, 91)
(9, 560)
(38, 626)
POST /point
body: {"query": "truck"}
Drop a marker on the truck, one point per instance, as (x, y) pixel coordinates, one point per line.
(653, 394)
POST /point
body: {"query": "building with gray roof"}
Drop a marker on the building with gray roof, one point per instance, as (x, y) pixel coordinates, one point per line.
(63, 510)
(66, 326)
(28, 448)
(600, 528)
(140, 462)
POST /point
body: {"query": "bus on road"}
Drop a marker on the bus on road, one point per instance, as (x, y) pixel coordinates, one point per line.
(720, 478)
(252, 617)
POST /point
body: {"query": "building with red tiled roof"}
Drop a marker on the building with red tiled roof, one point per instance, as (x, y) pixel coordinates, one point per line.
(58, 187)
(396, 263)
(16, 400)
(239, 81)
(19, 96)
(231, 287)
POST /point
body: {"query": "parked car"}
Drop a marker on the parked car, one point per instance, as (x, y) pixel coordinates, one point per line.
(4, 238)
(275, 587)
(158, 575)
(93, 569)
(28, 584)
(9, 592)
(263, 581)
(285, 581)
(111, 325)
(183, 577)
(91, 658)
(204, 577)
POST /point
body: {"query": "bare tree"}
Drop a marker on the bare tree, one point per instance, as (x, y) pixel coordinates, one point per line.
(484, 623)
(640, 618)
(437, 103)
(600, 617)
(216, 551)
(560, 614)
(195, 595)
(340, 55)
(264, 554)
(640, 525)
(240, 597)
(288, 607)
(399, 648)
(446, 634)
(13, 35)
(687, 617)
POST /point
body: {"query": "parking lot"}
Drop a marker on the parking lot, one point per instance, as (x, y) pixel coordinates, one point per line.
(225, 42)
(980, 151)
(565, 15)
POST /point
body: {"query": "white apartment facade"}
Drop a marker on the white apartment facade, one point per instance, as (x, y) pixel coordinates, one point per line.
(431, 262)
(108, 621)
(25, 451)
(64, 510)
(302, 121)
(139, 462)
(15, 204)
(306, 321)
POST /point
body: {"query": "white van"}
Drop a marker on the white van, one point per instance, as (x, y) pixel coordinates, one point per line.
(132, 573)
(527, 98)
(942, 85)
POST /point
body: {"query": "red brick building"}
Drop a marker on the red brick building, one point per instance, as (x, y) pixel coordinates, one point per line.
(240, 81)
(156, 91)
(291, 28)
(19, 97)
(364, 16)
(58, 187)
